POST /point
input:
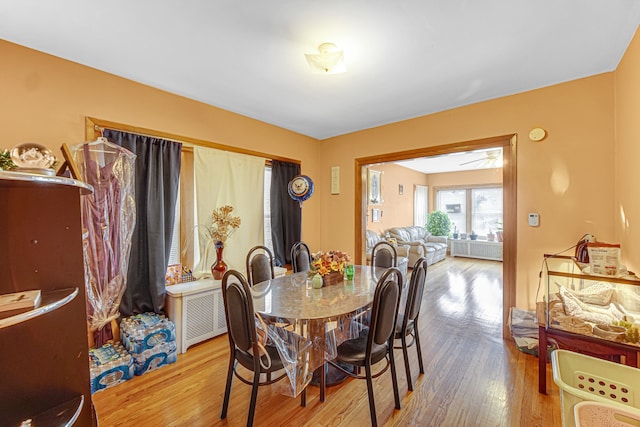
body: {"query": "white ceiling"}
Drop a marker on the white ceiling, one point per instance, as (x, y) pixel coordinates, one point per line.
(405, 58)
(469, 160)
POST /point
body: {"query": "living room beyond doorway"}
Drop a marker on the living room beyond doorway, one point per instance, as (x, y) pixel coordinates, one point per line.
(487, 153)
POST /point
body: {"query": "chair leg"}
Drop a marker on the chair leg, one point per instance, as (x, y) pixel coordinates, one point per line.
(303, 398)
(394, 376)
(323, 381)
(372, 403)
(227, 389)
(418, 347)
(254, 398)
(405, 354)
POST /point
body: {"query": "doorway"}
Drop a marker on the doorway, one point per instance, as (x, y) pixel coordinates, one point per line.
(508, 145)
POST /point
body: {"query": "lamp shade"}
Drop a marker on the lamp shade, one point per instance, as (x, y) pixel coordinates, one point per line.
(328, 60)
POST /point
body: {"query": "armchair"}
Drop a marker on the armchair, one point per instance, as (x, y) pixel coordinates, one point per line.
(421, 243)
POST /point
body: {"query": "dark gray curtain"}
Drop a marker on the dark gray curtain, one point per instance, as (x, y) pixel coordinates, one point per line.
(286, 215)
(156, 189)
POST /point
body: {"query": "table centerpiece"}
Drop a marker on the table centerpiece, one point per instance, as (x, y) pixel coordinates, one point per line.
(329, 265)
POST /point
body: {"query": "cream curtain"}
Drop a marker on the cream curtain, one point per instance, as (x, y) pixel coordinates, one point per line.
(420, 205)
(225, 178)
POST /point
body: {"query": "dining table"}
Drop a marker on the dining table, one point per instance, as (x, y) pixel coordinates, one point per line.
(308, 324)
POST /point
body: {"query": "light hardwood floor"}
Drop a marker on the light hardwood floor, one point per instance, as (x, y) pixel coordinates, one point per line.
(473, 377)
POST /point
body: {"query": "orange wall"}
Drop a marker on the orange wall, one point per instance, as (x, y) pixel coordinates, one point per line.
(567, 178)
(46, 99)
(626, 208)
(396, 209)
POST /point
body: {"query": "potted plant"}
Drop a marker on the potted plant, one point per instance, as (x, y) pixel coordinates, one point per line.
(455, 232)
(438, 223)
(491, 237)
(473, 235)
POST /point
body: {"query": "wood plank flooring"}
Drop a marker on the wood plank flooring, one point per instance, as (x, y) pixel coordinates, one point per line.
(473, 377)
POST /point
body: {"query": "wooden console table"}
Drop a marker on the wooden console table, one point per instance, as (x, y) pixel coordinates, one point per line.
(591, 346)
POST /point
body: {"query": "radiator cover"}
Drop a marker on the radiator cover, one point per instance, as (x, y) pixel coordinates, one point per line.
(197, 309)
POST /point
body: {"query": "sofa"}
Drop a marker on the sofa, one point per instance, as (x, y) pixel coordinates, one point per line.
(402, 250)
(421, 243)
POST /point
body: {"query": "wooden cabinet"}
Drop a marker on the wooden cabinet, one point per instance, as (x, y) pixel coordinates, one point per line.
(44, 361)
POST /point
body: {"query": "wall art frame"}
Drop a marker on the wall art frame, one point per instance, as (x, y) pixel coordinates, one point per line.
(374, 184)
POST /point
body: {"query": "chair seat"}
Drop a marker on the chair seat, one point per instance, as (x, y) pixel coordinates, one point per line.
(246, 360)
(354, 351)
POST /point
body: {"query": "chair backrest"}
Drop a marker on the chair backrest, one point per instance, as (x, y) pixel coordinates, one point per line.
(238, 310)
(416, 289)
(384, 255)
(300, 257)
(259, 265)
(384, 309)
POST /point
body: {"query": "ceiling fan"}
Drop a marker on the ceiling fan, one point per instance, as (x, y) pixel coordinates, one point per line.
(491, 158)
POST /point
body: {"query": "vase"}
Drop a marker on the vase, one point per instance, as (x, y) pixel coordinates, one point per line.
(316, 281)
(218, 269)
(332, 278)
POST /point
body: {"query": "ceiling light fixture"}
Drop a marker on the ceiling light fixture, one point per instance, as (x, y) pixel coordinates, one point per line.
(330, 60)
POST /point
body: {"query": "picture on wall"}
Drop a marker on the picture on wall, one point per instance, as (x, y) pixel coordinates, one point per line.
(375, 187)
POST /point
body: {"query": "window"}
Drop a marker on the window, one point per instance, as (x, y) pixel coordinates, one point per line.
(477, 209)
(185, 243)
(268, 241)
(174, 255)
(486, 209)
(454, 203)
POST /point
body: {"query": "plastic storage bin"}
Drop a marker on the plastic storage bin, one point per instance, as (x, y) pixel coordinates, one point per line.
(585, 378)
(597, 414)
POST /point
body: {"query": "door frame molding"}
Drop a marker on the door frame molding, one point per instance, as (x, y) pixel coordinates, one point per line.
(509, 185)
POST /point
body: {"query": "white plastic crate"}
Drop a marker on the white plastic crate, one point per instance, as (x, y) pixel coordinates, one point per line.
(599, 414)
(585, 378)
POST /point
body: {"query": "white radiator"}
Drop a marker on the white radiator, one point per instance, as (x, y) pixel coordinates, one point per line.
(482, 249)
(197, 310)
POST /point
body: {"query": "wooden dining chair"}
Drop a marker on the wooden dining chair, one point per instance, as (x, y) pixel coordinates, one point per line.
(376, 344)
(407, 323)
(243, 343)
(300, 257)
(259, 264)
